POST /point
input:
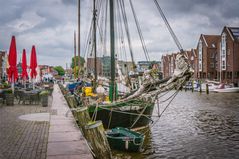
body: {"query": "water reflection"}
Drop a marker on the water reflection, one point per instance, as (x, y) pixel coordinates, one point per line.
(194, 126)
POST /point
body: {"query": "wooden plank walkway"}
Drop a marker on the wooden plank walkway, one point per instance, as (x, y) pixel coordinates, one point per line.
(65, 139)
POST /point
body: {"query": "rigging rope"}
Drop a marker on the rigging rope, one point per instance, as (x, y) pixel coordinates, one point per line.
(168, 26)
(123, 12)
(160, 114)
(140, 32)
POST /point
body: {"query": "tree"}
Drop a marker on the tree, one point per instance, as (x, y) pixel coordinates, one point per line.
(60, 70)
(82, 61)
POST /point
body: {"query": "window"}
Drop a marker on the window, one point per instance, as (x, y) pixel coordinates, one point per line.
(223, 65)
(211, 65)
(223, 53)
(223, 39)
(200, 55)
(212, 55)
(200, 66)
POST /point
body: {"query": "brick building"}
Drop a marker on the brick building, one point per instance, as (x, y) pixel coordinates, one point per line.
(207, 50)
(168, 62)
(91, 66)
(228, 57)
(3, 58)
(216, 57)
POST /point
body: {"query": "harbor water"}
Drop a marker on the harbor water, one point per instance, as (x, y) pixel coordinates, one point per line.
(194, 126)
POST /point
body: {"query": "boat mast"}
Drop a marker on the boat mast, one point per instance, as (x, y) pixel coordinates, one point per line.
(75, 54)
(112, 52)
(79, 38)
(94, 32)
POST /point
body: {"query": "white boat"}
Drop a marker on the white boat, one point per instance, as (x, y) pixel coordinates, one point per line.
(211, 87)
(226, 89)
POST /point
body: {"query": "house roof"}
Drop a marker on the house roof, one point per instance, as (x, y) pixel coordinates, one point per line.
(234, 32)
(211, 40)
(194, 52)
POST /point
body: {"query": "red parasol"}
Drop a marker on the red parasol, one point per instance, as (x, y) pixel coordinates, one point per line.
(33, 63)
(12, 60)
(24, 65)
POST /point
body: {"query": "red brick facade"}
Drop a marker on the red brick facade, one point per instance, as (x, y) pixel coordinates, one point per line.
(216, 57)
(207, 56)
(91, 66)
(228, 67)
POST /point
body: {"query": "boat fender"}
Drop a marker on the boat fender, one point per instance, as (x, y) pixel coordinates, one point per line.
(126, 144)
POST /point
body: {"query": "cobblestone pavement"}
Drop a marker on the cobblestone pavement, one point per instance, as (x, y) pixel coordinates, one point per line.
(22, 139)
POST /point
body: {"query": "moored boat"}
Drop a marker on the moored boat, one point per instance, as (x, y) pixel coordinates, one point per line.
(129, 114)
(223, 89)
(124, 139)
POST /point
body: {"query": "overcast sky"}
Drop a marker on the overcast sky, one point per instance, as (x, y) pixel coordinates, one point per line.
(50, 25)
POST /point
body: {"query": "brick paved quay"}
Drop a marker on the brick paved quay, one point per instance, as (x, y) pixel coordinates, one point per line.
(21, 139)
(58, 137)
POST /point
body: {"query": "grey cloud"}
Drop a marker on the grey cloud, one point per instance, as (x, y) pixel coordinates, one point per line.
(56, 20)
(69, 2)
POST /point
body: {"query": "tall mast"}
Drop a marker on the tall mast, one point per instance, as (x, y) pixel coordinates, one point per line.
(75, 55)
(94, 32)
(79, 38)
(112, 53)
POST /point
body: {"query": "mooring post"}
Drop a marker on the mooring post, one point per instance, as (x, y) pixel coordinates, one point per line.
(83, 117)
(72, 103)
(200, 86)
(97, 140)
(207, 89)
(192, 85)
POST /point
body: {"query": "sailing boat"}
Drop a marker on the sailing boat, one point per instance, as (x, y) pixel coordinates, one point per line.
(135, 110)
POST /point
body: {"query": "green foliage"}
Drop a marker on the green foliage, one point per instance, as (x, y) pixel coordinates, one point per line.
(44, 93)
(5, 85)
(60, 70)
(82, 61)
(8, 91)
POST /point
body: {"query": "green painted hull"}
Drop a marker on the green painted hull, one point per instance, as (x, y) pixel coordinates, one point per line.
(125, 140)
(124, 114)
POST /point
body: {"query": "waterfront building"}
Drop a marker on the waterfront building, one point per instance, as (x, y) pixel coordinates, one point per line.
(3, 64)
(168, 64)
(193, 61)
(207, 56)
(126, 66)
(106, 66)
(145, 65)
(228, 57)
(91, 66)
(46, 71)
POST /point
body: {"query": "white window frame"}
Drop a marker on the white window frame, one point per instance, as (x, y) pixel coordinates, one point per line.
(200, 54)
(223, 52)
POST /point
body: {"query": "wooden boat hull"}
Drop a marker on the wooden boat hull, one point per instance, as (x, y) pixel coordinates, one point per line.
(124, 116)
(125, 140)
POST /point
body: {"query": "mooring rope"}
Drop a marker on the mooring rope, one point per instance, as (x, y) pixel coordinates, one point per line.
(160, 114)
(93, 118)
(110, 118)
(141, 113)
